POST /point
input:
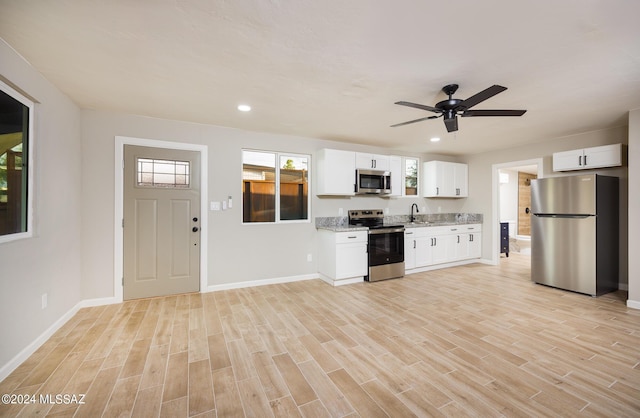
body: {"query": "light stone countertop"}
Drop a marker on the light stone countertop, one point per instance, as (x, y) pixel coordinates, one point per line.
(341, 223)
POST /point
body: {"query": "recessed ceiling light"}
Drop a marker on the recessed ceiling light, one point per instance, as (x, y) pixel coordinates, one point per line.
(435, 139)
(244, 108)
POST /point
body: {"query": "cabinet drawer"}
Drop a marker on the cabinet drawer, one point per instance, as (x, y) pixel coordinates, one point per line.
(422, 231)
(355, 236)
(459, 229)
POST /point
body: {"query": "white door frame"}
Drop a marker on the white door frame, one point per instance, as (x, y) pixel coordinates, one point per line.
(495, 250)
(120, 142)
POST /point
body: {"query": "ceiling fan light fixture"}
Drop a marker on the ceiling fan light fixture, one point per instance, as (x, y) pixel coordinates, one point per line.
(451, 108)
(435, 139)
(244, 108)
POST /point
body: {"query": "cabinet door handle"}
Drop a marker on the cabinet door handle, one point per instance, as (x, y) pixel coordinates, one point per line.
(580, 160)
(414, 243)
(437, 191)
(585, 160)
(470, 237)
(352, 237)
(458, 239)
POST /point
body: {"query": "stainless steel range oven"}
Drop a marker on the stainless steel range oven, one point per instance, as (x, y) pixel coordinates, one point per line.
(386, 244)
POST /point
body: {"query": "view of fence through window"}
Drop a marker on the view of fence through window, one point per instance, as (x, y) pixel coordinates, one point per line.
(14, 127)
(163, 173)
(263, 182)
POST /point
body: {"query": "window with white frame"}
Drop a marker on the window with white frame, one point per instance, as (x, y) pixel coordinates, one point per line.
(275, 187)
(16, 121)
(410, 176)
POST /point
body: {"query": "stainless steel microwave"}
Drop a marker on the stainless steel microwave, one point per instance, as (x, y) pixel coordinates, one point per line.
(373, 182)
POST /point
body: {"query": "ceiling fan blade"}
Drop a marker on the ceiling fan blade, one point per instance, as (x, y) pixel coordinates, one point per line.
(481, 97)
(451, 124)
(468, 113)
(414, 121)
(419, 106)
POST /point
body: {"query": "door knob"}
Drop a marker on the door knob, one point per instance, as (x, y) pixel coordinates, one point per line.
(526, 210)
(194, 229)
(195, 219)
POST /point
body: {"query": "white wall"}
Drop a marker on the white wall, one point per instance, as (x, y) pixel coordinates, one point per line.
(480, 181)
(634, 209)
(237, 253)
(50, 261)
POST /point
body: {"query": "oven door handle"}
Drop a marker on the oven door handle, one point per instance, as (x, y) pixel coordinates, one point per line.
(385, 231)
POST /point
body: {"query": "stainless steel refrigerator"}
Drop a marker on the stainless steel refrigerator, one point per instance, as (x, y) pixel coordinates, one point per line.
(574, 233)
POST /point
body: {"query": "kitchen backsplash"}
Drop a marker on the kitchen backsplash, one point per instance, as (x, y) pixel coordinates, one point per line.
(343, 221)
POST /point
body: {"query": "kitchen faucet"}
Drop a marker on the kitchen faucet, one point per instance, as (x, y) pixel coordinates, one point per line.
(413, 218)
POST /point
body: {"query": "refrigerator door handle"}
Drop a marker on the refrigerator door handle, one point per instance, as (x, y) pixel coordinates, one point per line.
(562, 215)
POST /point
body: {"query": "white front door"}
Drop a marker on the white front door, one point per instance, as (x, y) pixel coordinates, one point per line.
(161, 221)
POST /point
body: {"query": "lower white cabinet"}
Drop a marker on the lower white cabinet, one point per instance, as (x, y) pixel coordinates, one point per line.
(428, 246)
(342, 256)
(465, 242)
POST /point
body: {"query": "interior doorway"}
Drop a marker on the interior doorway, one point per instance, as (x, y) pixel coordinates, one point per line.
(512, 203)
(524, 200)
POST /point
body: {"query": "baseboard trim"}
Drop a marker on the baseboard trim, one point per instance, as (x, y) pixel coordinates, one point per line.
(341, 282)
(263, 282)
(447, 265)
(88, 303)
(633, 304)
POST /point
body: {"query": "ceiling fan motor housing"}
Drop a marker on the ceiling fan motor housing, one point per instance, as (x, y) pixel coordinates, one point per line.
(447, 105)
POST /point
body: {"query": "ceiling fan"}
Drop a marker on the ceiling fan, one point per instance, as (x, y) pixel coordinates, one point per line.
(451, 108)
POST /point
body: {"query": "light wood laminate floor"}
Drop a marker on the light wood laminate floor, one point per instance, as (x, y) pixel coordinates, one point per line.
(475, 340)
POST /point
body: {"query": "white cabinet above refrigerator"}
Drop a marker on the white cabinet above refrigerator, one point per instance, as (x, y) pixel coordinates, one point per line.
(588, 158)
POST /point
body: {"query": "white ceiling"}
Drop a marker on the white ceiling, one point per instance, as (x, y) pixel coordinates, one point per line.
(333, 69)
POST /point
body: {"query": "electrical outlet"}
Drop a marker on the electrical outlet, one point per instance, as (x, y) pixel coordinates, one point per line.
(309, 257)
(340, 212)
(44, 300)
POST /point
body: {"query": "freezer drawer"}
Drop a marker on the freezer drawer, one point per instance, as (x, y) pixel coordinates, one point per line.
(563, 252)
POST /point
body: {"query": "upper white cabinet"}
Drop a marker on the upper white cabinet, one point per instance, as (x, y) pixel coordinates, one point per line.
(372, 161)
(445, 179)
(588, 158)
(335, 172)
(395, 163)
